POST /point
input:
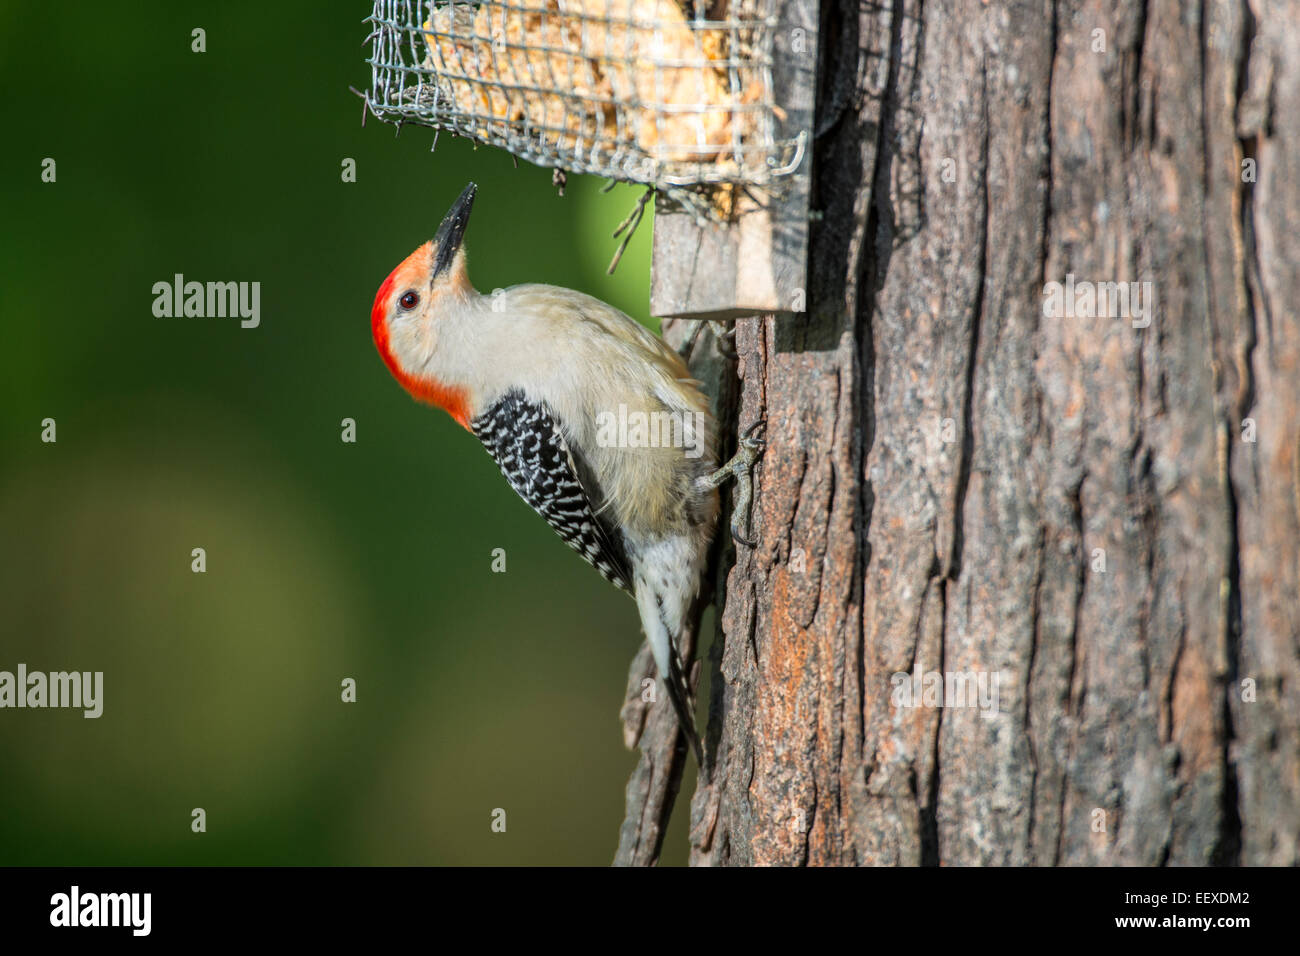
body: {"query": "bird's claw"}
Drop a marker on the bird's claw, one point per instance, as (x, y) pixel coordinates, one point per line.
(726, 338)
(741, 467)
(738, 537)
(687, 348)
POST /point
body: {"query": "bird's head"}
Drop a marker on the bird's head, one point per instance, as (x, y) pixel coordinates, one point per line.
(418, 304)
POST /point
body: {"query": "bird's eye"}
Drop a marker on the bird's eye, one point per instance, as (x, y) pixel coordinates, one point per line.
(409, 301)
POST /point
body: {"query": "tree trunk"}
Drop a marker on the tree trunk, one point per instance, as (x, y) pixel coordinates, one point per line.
(1069, 508)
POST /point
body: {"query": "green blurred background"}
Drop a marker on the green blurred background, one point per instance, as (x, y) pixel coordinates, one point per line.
(325, 560)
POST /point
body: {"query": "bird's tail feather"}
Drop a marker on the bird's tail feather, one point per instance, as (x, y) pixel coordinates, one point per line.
(668, 661)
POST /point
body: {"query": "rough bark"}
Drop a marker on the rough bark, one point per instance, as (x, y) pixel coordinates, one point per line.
(946, 465)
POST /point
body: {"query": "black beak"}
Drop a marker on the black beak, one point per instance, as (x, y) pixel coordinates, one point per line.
(452, 231)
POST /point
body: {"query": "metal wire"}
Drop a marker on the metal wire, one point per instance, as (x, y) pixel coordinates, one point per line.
(642, 91)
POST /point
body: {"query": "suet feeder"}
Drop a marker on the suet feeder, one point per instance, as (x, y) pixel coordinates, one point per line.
(710, 103)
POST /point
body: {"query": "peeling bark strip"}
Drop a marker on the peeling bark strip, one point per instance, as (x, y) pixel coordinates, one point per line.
(1107, 518)
(653, 787)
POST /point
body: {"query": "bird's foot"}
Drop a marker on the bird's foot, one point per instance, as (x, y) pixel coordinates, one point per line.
(726, 339)
(741, 467)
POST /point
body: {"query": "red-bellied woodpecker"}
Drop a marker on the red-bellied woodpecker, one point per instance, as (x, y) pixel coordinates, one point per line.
(593, 420)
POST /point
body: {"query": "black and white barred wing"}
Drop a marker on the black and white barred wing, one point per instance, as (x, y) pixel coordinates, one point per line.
(531, 451)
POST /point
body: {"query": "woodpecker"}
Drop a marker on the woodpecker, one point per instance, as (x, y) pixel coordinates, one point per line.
(539, 374)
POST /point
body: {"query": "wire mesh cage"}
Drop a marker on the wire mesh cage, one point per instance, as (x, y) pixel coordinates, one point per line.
(661, 92)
